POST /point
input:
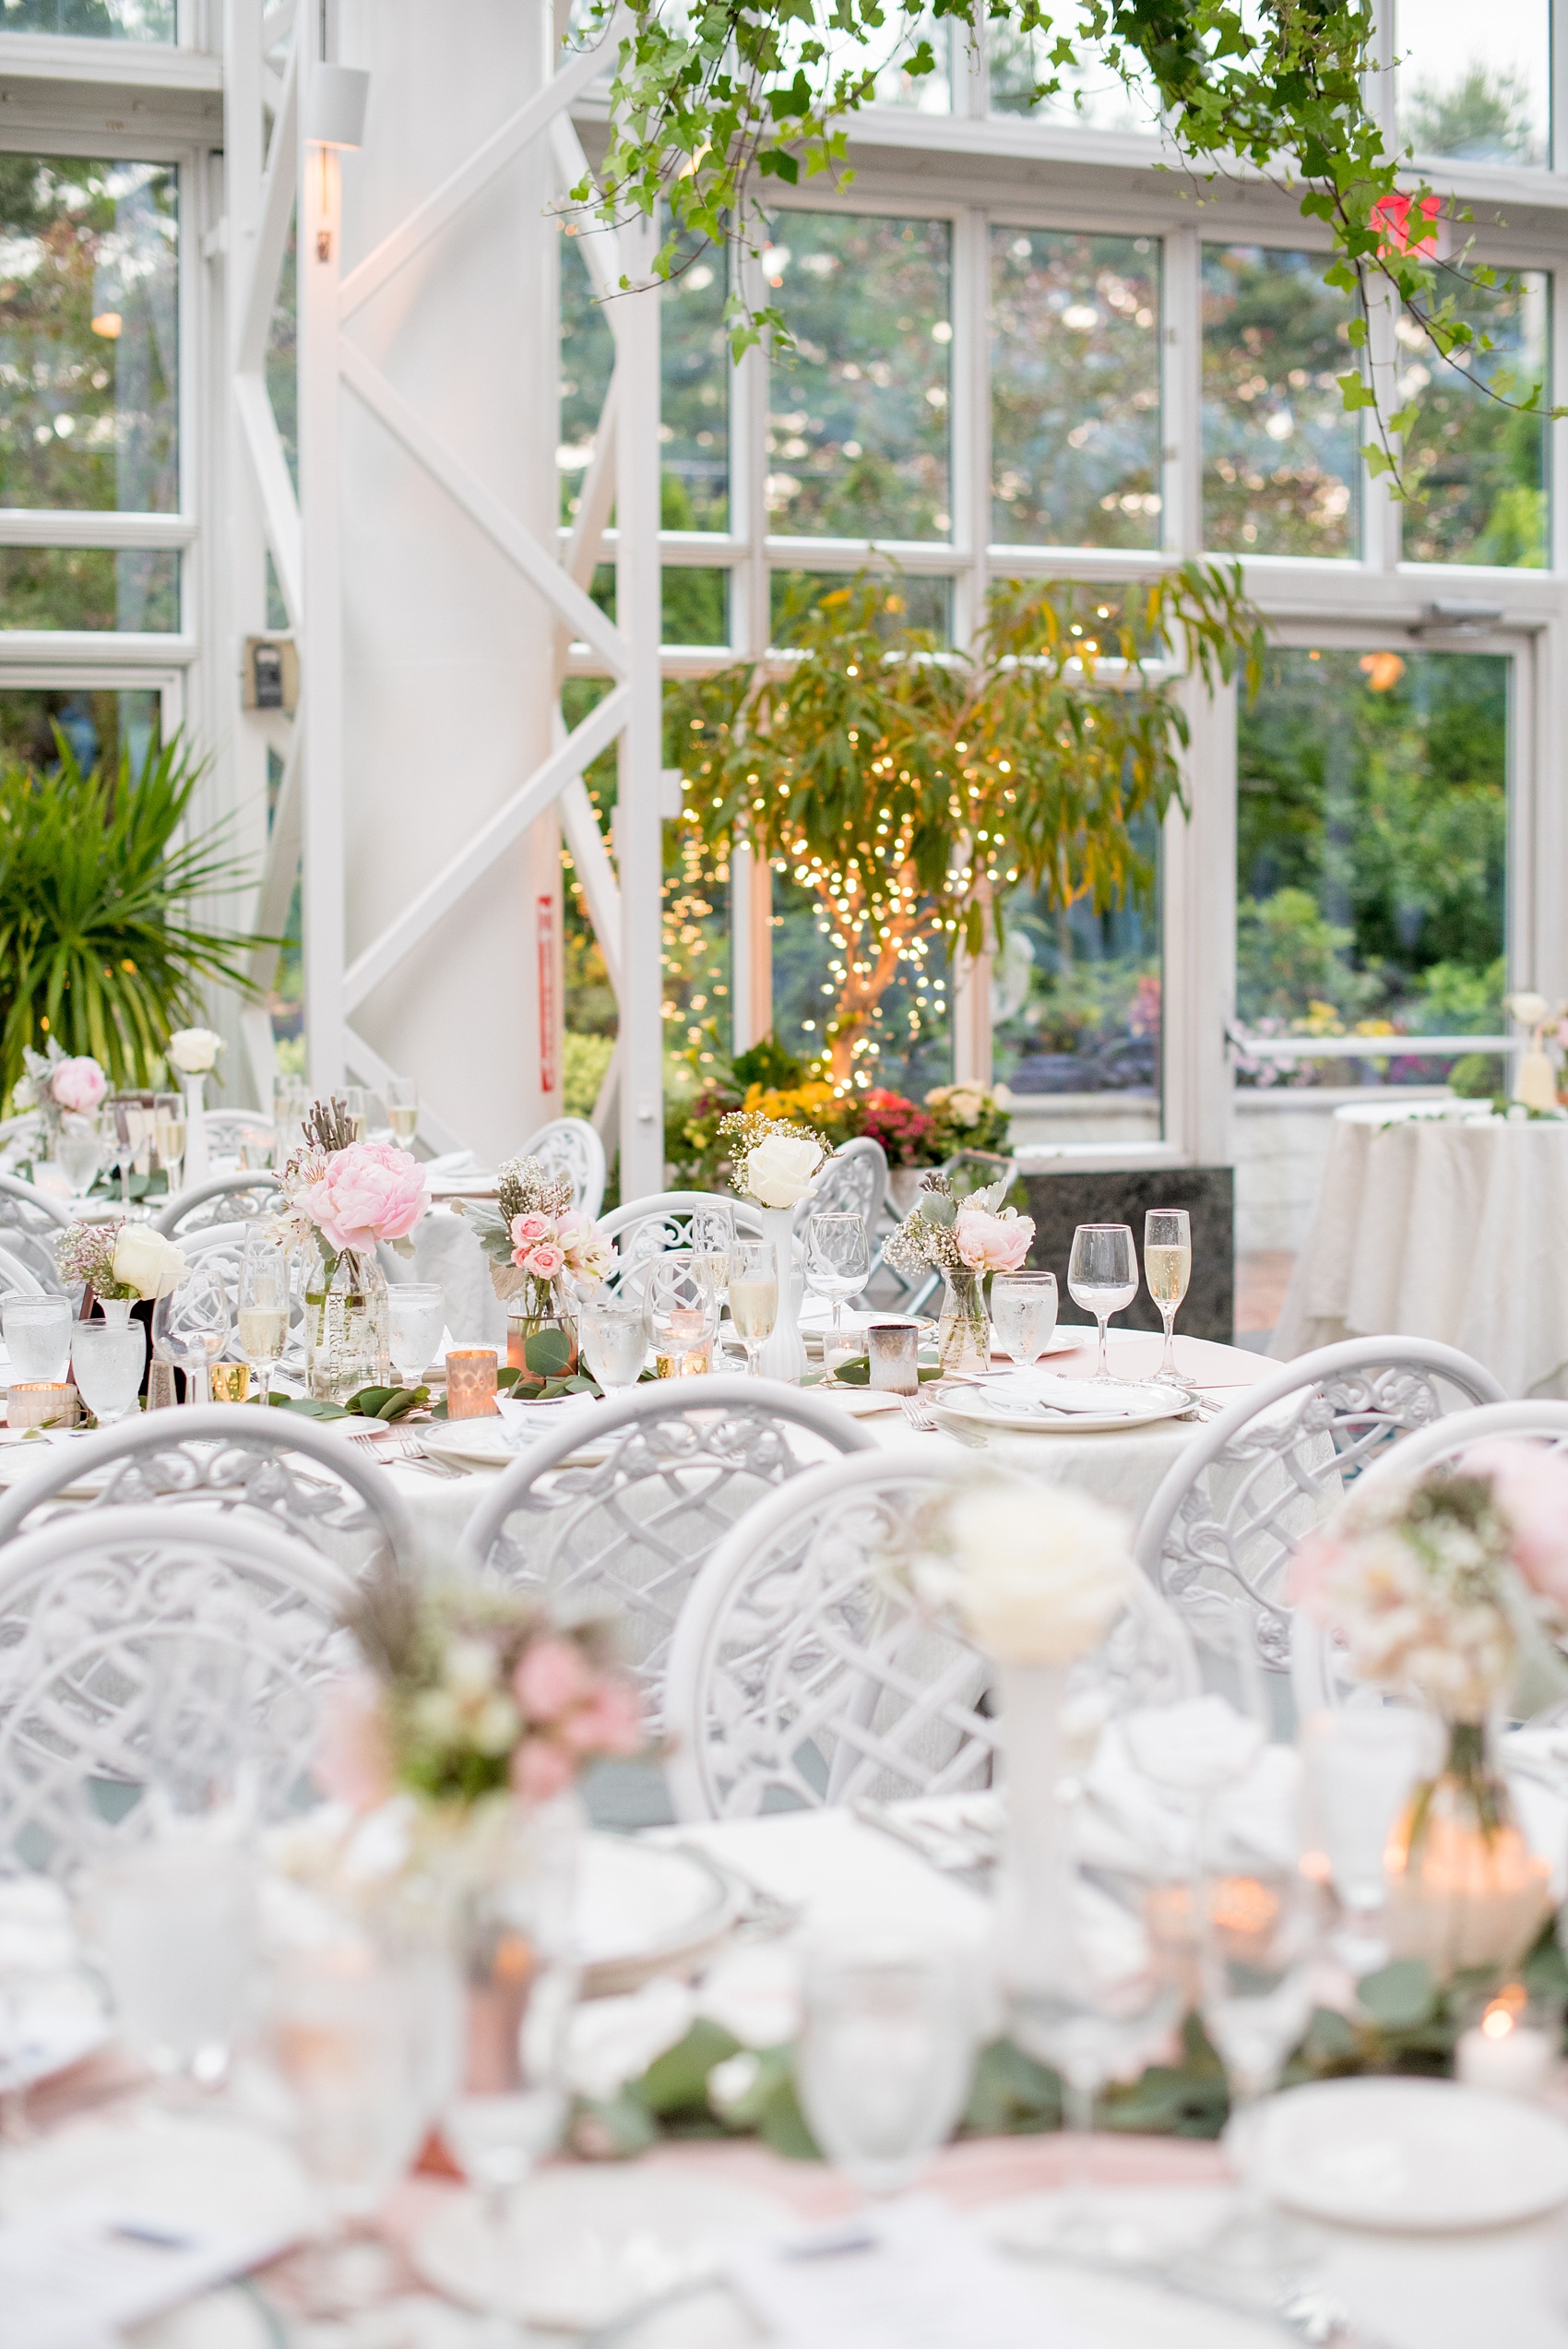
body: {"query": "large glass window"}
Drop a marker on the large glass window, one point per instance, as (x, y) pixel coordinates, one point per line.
(88, 367)
(858, 415)
(1481, 463)
(89, 586)
(1075, 390)
(1091, 94)
(1281, 458)
(91, 19)
(97, 721)
(694, 403)
(587, 362)
(1475, 87)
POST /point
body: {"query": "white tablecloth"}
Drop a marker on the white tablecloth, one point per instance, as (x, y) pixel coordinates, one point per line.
(1446, 1226)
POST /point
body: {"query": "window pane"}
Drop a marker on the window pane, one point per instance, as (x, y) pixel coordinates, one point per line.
(696, 605)
(695, 407)
(1371, 856)
(97, 721)
(1482, 466)
(857, 429)
(1281, 468)
(909, 604)
(88, 398)
(1478, 89)
(883, 57)
(1074, 415)
(587, 355)
(1091, 93)
(91, 19)
(910, 1043)
(88, 587)
(1075, 1017)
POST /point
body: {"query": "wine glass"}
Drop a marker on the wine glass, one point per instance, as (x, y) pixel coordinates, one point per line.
(613, 1333)
(107, 1360)
(38, 1336)
(753, 1297)
(169, 1136)
(710, 1234)
(1168, 1269)
(80, 1151)
(262, 1316)
(1102, 1276)
(416, 1319)
(1022, 1314)
(886, 2050)
(191, 1324)
(837, 1263)
(682, 1313)
(402, 1108)
(1359, 1763)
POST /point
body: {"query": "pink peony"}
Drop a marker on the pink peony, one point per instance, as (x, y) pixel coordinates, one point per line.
(1531, 1487)
(607, 1722)
(546, 1263)
(371, 1191)
(992, 1243)
(528, 1231)
(78, 1084)
(551, 1675)
(353, 1755)
(540, 1771)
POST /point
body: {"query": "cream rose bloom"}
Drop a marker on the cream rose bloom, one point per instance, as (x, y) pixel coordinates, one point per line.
(147, 1263)
(1038, 1577)
(779, 1171)
(194, 1050)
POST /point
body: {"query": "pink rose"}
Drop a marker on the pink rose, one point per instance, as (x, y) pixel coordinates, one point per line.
(78, 1084)
(551, 1675)
(371, 1191)
(528, 1231)
(546, 1263)
(353, 1755)
(992, 1243)
(1531, 1487)
(607, 1722)
(540, 1771)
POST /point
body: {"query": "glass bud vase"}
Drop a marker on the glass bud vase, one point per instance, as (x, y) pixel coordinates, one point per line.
(1465, 1887)
(347, 1327)
(963, 1329)
(543, 1304)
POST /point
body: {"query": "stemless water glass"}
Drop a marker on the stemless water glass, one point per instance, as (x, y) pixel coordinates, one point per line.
(416, 1317)
(1022, 1314)
(682, 1314)
(107, 1360)
(191, 1325)
(613, 1333)
(402, 1108)
(1168, 1270)
(753, 1297)
(168, 1134)
(837, 1262)
(38, 1336)
(886, 2050)
(80, 1151)
(1102, 1276)
(262, 1318)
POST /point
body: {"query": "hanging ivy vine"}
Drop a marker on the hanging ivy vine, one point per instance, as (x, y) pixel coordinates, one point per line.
(715, 100)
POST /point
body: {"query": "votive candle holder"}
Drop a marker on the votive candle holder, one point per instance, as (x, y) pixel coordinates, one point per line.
(42, 1403)
(471, 1382)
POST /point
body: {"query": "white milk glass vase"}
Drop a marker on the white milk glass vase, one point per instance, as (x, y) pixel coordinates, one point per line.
(784, 1355)
(1030, 1893)
(197, 1164)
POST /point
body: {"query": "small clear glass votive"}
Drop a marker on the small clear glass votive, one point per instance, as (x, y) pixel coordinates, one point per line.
(471, 1382)
(840, 1346)
(894, 1348)
(41, 1402)
(229, 1382)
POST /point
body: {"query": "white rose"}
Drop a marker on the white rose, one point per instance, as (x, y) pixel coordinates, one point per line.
(1041, 1576)
(780, 1170)
(1528, 1009)
(195, 1050)
(147, 1263)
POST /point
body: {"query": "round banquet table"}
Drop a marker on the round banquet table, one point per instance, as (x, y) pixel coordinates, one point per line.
(1441, 1223)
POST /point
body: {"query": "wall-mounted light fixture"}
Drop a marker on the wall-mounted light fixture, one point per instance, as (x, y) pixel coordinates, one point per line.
(334, 120)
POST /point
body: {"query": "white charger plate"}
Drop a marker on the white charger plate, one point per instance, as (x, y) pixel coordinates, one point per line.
(643, 1909)
(1426, 2156)
(496, 1443)
(1123, 1408)
(169, 2171)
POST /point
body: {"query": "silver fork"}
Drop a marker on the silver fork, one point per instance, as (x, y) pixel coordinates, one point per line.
(917, 1411)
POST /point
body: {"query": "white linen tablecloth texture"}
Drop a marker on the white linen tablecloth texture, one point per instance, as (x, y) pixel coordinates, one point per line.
(1441, 1223)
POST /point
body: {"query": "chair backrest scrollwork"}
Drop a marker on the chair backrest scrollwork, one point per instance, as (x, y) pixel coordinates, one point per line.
(570, 1146)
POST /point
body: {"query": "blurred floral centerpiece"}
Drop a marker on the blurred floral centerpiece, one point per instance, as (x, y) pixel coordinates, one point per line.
(59, 1085)
(1451, 1591)
(967, 1117)
(538, 1244)
(964, 1239)
(773, 1162)
(343, 1199)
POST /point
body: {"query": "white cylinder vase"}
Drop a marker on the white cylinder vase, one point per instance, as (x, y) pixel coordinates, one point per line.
(196, 1165)
(1029, 1895)
(784, 1356)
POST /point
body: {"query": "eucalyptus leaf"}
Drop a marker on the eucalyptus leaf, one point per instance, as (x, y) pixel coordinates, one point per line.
(548, 1352)
(1401, 1996)
(308, 1407)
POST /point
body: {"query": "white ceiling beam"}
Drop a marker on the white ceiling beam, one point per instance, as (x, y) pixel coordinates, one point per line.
(259, 295)
(281, 509)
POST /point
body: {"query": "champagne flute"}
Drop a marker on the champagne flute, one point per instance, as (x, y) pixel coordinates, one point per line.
(262, 1320)
(1102, 1276)
(613, 1333)
(1168, 1269)
(356, 1109)
(1022, 1314)
(837, 1263)
(402, 1108)
(169, 1136)
(753, 1297)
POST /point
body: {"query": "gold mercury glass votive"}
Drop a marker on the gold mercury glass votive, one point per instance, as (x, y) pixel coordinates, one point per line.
(470, 1383)
(230, 1382)
(41, 1402)
(894, 1350)
(683, 1345)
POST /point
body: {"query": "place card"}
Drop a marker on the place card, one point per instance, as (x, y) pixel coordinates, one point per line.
(909, 2275)
(74, 2273)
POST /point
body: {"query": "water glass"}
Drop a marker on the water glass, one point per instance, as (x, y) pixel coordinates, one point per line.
(1359, 1764)
(402, 1109)
(176, 1922)
(107, 1362)
(191, 1325)
(682, 1314)
(612, 1334)
(38, 1336)
(416, 1319)
(1022, 1314)
(168, 1134)
(887, 2051)
(1168, 1270)
(80, 1151)
(262, 1316)
(753, 1297)
(1102, 1276)
(838, 1258)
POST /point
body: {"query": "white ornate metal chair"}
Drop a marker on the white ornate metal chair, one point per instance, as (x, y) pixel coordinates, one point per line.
(19, 1137)
(223, 1199)
(222, 1247)
(107, 1621)
(270, 1466)
(228, 1130)
(678, 1463)
(18, 1276)
(30, 1223)
(570, 1146)
(1221, 1528)
(647, 1228)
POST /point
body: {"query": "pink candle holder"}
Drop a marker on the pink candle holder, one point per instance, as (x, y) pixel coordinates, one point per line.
(471, 1382)
(41, 1402)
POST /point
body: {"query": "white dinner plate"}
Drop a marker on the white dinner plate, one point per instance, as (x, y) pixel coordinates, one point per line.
(496, 1443)
(585, 2246)
(643, 1909)
(169, 2170)
(1423, 2155)
(1094, 1410)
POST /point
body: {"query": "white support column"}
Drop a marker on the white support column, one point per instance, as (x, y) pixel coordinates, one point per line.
(639, 829)
(321, 709)
(750, 946)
